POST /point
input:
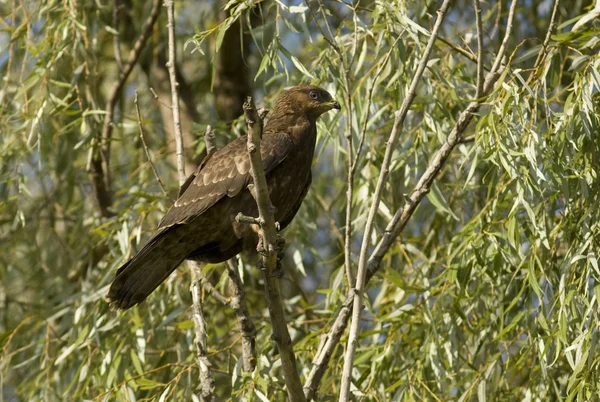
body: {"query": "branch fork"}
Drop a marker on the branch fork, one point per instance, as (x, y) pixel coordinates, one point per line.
(271, 243)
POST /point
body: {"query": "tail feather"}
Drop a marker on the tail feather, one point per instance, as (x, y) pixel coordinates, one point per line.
(148, 269)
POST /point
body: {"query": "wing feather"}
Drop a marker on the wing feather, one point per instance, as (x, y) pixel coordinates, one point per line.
(224, 173)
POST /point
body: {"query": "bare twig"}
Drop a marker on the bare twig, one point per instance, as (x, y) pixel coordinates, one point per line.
(400, 115)
(141, 128)
(207, 383)
(99, 167)
(398, 222)
(270, 241)
(238, 304)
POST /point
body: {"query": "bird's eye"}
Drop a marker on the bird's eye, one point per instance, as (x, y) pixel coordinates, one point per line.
(313, 94)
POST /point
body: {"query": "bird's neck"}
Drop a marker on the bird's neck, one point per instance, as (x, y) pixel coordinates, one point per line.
(297, 124)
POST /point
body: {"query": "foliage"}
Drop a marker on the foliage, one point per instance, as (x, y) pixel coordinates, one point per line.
(490, 293)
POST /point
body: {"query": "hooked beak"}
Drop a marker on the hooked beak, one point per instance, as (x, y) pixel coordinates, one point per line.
(335, 105)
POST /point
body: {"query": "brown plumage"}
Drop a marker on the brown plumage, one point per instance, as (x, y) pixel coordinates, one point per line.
(201, 225)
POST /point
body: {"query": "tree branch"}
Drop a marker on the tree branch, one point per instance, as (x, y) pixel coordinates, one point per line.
(207, 383)
(99, 167)
(400, 115)
(116, 41)
(238, 304)
(269, 239)
(175, 91)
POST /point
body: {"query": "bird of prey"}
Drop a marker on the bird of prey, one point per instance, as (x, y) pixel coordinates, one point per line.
(201, 224)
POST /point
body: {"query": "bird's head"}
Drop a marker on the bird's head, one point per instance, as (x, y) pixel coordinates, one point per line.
(314, 101)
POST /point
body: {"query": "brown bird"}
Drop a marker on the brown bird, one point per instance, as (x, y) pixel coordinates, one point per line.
(201, 224)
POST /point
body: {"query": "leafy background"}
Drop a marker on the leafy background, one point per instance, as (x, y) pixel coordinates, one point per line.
(490, 294)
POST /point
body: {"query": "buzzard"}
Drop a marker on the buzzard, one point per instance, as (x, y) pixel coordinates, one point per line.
(201, 224)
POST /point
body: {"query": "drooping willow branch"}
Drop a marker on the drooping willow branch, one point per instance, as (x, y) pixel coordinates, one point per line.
(99, 166)
(402, 216)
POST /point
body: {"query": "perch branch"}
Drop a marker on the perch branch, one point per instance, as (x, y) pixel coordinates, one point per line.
(268, 234)
(400, 115)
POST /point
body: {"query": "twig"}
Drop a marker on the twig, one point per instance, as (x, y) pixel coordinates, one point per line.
(238, 304)
(99, 167)
(542, 52)
(458, 49)
(466, 140)
(174, 90)
(269, 237)
(479, 49)
(347, 131)
(141, 128)
(158, 99)
(396, 225)
(211, 289)
(400, 115)
(116, 41)
(207, 383)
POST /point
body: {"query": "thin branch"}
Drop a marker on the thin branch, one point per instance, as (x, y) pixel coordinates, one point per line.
(363, 131)
(269, 239)
(211, 289)
(395, 227)
(175, 90)
(458, 49)
(158, 99)
(141, 128)
(466, 140)
(542, 52)
(479, 49)
(400, 115)
(238, 304)
(99, 167)
(207, 382)
(347, 131)
(116, 39)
